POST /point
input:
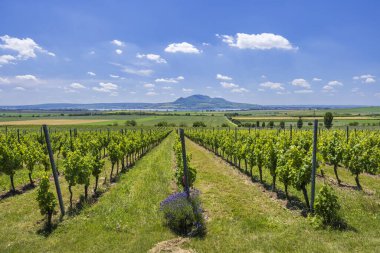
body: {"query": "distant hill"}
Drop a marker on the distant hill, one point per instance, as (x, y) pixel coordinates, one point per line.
(194, 102)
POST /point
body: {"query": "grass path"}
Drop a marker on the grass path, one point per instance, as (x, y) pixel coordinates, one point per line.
(125, 219)
(242, 218)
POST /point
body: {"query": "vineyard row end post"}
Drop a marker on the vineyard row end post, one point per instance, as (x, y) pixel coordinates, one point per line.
(314, 165)
(55, 173)
(184, 159)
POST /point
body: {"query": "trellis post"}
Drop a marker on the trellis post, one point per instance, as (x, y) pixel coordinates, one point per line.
(55, 173)
(186, 178)
(314, 165)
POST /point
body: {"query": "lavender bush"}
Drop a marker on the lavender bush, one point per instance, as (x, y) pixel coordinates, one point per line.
(184, 216)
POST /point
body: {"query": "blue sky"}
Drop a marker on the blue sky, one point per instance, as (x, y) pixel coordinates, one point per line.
(262, 52)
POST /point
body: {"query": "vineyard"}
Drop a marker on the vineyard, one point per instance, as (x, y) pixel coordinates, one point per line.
(110, 182)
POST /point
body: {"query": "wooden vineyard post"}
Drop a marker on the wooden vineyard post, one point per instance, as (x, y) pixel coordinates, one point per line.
(347, 134)
(291, 132)
(185, 172)
(314, 165)
(55, 173)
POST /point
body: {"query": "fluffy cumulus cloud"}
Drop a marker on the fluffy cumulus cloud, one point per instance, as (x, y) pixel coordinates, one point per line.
(106, 88)
(6, 59)
(169, 80)
(182, 47)
(118, 51)
(152, 57)
(90, 73)
(263, 41)
(302, 83)
(317, 79)
(228, 85)
(331, 86)
(272, 86)
(77, 86)
(117, 43)
(223, 77)
(26, 78)
(24, 48)
(365, 78)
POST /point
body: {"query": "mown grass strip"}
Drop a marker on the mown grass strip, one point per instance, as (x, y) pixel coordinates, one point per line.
(125, 219)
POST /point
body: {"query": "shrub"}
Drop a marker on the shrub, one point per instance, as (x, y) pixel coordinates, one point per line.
(162, 124)
(131, 123)
(199, 124)
(46, 200)
(184, 215)
(327, 207)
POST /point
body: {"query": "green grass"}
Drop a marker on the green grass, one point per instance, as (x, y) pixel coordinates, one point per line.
(125, 219)
(244, 217)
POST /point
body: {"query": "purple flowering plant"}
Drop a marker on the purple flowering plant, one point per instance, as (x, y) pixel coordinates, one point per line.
(184, 215)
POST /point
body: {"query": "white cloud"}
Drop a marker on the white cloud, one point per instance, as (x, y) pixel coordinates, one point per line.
(272, 86)
(25, 48)
(6, 59)
(27, 78)
(299, 82)
(328, 88)
(187, 90)
(19, 88)
(169, 80)
(152, 57)
(228, 85)
(239, 90)
(303, 91)
(114, 76)
(166, 88)
(4, 80)
(263, 41)
(149, 85)
(151, 93)
(91, 73)
(365, 78)
(370, 80)
(223, 78)
(139, 72)
(316, 79)
(183, 47)
(118, 43)
(77, 86)
(106, 87)
(118, 51)
(334, 83)
(263, 76)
